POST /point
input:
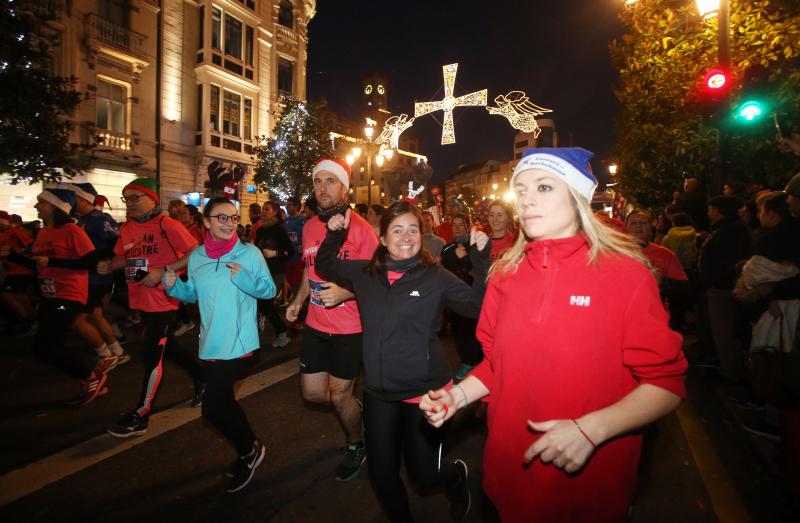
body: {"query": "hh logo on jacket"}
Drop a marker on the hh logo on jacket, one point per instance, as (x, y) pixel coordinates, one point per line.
(580, 301)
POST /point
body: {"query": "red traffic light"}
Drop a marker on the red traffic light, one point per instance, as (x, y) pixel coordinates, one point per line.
(716, 79)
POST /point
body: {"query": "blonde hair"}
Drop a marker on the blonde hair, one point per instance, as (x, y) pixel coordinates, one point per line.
(603, 240)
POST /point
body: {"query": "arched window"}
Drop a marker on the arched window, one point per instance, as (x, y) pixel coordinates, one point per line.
(285, 16)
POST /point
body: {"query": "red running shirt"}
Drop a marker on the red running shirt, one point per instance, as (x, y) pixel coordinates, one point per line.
(68, 242)
(360, 244)
(17, 239)
(153, 244)
(501, 245)
(665, 262)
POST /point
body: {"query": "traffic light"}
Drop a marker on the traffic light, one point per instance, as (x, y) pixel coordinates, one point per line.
(752, 103)
(712, 95)
(716, 82)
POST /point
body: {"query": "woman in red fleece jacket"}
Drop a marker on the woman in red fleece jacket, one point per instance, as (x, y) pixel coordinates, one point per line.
(578, 354)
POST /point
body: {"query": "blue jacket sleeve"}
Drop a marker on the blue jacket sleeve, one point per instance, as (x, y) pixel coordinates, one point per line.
(182, 290)
(254, 278)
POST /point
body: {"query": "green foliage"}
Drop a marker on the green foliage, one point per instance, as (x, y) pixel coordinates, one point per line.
(284, 162)
(662, 131)
(35, 105)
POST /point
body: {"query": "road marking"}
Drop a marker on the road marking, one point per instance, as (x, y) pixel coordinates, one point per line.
(26, 480)
(725, 501)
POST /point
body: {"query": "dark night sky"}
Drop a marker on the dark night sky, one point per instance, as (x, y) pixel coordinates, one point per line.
(554, 50)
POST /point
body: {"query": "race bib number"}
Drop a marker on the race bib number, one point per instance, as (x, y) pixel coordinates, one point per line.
(132, 266)
(47, 286)
(293, 237)
(316, 288)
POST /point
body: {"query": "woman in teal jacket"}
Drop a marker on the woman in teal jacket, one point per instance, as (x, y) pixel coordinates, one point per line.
(226, 278)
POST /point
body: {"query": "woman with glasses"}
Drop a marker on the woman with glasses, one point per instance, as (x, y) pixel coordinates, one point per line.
(226, 277)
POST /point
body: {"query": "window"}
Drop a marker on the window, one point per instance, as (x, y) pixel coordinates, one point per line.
(285, 15)
(216, 27)
(285, 73)
(111, 106)
(115, 11)
(248, 46)
(199, 118)
(247, 133)
(231, 113)
(214, 108)
(233, 37)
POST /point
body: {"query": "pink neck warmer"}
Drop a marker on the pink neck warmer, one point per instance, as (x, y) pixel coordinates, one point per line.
(216, 248)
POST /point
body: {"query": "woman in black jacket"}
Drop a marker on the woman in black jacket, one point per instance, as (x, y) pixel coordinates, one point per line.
(273, 241)
(400, 293)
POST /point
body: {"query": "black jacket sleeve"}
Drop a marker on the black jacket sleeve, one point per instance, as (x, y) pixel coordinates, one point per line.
(87, 262)
(19, 259)
(458, 296)
(328, 264)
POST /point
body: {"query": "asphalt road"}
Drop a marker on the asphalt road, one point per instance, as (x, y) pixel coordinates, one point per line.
(58, 464)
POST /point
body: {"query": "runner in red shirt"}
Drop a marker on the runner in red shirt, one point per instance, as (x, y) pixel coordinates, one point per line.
(502, 230)
(330, 356)
(19, 280)
(62, 254)
(150, 243)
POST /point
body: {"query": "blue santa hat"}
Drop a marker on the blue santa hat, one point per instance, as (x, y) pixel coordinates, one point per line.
(570, 164)
(84, 190)
(60, 198)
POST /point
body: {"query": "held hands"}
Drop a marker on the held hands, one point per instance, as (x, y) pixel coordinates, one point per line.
(562, 444)
(477, 238)
(438, 406)
(293, 311)
(153, 277)
(338, 222)
(170, 278)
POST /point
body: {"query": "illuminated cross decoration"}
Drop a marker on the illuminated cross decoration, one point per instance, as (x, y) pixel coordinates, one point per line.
(449, 102)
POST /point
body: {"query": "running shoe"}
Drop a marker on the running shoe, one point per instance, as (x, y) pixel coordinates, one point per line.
(128, 425)
(463, 371)
(91, 388)
(355, 454)
(245, 468)
(458, 493)
(281, 341)
(123, 358)
(106, 365)
(764, 430)
(29, 328)
(183, 328)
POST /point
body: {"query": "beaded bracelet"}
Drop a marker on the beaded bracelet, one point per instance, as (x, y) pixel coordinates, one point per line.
(584, 434)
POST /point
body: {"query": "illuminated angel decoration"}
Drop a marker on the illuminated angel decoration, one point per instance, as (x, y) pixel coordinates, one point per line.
(520, 111)
(392, 129)
(413, 193)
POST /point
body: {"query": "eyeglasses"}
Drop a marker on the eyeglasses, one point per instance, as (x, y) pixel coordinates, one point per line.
(132, 198)
(224, 218)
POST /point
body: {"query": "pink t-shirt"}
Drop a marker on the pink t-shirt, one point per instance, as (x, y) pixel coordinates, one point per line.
(153, 244)
(68, 242)
(359, 244)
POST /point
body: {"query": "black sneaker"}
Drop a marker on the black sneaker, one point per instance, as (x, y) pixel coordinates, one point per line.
(199, 390)
(764, 430)
(245, 468)
(128, 425)
(458, 494)
(355, 454)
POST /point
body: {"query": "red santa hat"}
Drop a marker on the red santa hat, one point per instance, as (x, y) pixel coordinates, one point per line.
(230, 190)
(337, 167)
(101, 201)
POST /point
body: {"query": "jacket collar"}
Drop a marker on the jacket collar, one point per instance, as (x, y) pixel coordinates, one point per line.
(544, 254)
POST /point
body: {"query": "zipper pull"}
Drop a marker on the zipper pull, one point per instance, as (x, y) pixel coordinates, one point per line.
(546, 253)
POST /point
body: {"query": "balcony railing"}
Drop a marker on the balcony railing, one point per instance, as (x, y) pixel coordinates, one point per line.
(286, 32)
(113, 140)
(115, 36)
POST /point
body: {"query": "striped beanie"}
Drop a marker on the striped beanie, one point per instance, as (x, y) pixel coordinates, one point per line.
(148, 186)
(570, 164)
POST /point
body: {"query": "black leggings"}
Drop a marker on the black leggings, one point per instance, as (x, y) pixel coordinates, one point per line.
(158, 334)
(56, 318)
(220, 407)
(393, 428)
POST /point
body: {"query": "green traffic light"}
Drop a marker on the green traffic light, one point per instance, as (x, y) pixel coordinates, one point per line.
(751, 110)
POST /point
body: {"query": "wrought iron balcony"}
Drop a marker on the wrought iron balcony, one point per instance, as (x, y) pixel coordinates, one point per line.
(115, 37)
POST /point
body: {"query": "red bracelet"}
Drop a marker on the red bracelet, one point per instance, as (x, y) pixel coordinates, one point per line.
(584, 434)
